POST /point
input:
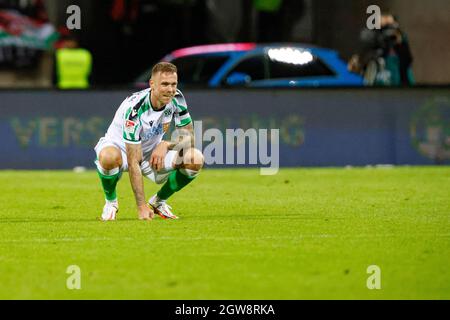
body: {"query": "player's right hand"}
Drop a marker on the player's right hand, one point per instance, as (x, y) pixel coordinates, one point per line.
(145, 212)
(158, 155)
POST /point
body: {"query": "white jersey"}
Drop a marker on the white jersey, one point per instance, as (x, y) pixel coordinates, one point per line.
(136, 121)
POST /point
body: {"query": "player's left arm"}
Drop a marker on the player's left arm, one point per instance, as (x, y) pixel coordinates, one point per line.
(182, 137)
(183, 141)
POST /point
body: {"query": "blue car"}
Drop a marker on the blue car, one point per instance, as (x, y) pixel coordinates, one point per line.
(258, 66)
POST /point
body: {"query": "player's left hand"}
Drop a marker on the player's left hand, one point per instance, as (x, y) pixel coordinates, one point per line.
(158, 155)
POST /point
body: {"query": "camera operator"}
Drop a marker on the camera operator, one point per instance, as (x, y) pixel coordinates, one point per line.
(386, 57)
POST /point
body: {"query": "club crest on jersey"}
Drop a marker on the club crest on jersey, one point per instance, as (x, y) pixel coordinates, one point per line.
(168, 112)
(166, 127)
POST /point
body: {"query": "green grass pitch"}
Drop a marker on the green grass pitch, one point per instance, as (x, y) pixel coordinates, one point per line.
(300, 234)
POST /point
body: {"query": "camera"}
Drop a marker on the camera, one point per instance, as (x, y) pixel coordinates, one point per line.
(380, 39)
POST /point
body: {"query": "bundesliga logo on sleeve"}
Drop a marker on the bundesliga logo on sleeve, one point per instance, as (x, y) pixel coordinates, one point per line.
(129, 126)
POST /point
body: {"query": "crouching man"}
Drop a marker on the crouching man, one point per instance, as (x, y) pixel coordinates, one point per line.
(134, 143)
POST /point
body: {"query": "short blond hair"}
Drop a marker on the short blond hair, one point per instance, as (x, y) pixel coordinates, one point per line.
(164, 67)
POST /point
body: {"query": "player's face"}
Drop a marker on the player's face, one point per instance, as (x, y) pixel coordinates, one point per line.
(164, 86)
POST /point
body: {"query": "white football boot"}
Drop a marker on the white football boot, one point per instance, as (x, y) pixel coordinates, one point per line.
(161, 208)
(110, 211)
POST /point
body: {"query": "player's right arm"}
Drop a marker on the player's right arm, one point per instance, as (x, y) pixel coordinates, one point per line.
(131, 132)
(134, 157)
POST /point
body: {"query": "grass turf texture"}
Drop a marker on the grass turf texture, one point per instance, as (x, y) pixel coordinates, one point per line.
(301, 234)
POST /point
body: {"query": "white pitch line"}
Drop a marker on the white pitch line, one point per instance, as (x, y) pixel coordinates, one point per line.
(215, 238)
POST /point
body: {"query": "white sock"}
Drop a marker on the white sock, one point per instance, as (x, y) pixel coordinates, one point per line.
(158, 200)
(114, 202)
(189, 172)
(105, 172)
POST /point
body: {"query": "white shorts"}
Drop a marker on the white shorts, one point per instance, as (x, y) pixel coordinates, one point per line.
(157, 177)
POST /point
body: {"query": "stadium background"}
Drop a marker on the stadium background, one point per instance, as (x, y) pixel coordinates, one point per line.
(354, 127)
(327, 23)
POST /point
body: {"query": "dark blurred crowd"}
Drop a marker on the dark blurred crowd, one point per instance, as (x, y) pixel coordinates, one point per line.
(141, 32)
(31, 8)
(33, 53)
(17, 18)
(166, 25)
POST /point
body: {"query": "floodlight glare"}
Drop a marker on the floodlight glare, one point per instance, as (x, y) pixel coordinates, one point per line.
(290, 55)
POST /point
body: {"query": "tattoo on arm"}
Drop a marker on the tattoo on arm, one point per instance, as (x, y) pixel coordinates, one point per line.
(134, 157)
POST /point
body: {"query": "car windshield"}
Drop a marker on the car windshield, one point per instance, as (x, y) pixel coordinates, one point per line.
(198, 69)
(266, 67)
(194, 70)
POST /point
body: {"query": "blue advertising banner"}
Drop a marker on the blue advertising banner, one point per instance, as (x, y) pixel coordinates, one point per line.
(331, 127)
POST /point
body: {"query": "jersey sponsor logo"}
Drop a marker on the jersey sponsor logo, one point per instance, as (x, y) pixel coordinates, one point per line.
(153, 132)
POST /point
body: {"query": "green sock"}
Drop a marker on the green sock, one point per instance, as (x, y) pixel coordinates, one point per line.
(109, 184)
(176, 182)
